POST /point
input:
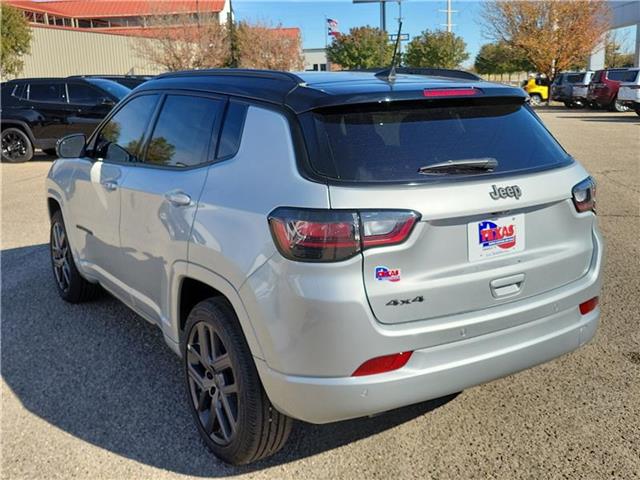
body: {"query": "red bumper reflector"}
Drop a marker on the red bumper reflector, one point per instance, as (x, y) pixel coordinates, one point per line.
(450, 92)
(383, 364)
(588, 306)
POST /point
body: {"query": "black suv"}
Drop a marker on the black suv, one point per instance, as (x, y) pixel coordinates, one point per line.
(36, 112)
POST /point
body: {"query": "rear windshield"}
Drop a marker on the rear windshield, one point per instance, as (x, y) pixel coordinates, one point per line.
(391, 142)
(623, 76)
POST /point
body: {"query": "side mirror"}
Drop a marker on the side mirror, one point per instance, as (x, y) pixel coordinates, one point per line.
(71, 146)
(107, 102)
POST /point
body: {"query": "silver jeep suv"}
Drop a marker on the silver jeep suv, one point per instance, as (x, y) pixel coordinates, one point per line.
(324, 246)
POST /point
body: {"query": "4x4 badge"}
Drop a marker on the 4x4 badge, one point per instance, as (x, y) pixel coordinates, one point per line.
(504, 192)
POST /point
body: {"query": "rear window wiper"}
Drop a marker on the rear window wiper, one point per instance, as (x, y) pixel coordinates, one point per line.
(469, 165)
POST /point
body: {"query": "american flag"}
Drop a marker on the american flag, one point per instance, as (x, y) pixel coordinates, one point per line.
(332, 27)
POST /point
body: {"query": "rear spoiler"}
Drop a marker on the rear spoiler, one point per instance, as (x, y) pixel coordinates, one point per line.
(478, 92)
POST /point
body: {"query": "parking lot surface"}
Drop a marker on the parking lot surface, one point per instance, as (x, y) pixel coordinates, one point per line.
(91, 391)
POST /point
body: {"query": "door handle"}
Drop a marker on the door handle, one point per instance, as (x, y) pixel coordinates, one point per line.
(110, 185)
(178, 198)
(503, 287)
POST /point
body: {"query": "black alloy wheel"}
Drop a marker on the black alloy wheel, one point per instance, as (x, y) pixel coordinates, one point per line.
(16, 146)
(212, 384)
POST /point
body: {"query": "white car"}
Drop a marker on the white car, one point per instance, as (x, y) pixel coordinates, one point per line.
(330, 245)
(629, 93)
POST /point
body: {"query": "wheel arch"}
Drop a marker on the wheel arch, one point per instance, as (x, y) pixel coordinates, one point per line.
(11, 123)
(193, 283)
(53, 206)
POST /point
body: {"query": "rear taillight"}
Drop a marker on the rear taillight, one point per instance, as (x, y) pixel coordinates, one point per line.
(332, 235)
(383, 364)
(584, 195)
(588, 306)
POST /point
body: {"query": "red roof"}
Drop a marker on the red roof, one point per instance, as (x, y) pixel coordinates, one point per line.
(117, 8)
(151, 31)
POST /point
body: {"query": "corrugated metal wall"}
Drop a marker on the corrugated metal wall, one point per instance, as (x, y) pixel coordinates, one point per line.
(59, 53)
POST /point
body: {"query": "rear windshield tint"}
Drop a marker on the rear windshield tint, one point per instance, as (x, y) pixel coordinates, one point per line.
(390, 143)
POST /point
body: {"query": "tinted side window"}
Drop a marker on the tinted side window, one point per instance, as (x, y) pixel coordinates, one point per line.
(232, 130)
(120, 139)
(624, 76)
(47, 92)
(83, 94)
(576, 78)
(11, 92)
(183, 132)
(597, 77)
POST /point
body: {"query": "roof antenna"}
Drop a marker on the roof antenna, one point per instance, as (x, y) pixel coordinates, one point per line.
(390, 74)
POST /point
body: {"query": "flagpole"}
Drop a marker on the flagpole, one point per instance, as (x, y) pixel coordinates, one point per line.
(324, 29)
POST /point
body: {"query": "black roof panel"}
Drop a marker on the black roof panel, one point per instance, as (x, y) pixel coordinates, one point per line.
(305, 91)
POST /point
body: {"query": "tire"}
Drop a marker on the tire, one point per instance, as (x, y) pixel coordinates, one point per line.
(617, 106)
(569, 105)
(71, 286)
(16, 146)
(536, 100)
(260, 430)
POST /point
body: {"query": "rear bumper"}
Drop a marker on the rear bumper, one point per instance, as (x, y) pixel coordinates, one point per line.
(535, 330)
(431, 372)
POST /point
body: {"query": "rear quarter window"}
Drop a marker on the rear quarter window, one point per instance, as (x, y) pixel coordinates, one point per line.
(390, 143)
(623, 76)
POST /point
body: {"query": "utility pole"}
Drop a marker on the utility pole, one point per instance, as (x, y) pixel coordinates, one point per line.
(449, 25)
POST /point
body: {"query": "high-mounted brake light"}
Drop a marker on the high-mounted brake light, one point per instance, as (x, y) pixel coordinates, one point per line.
(584, 195)
(334, 235)
(450, 92)
(386, 363)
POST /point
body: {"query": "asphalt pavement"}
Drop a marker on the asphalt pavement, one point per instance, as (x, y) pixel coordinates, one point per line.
(92, 392)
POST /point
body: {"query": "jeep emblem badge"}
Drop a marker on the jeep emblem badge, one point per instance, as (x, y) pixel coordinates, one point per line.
(504, 192)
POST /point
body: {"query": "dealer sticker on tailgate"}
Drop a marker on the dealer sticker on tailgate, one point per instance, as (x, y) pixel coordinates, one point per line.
(496, 236)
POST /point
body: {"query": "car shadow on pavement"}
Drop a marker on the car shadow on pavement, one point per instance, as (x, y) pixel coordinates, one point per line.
(102, 374)
(607, 118)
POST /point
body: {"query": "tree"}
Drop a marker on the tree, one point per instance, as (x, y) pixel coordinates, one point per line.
(274, 48)
(177, 43)
(436, 49)
(362, 47)
(500, 58)
(15, 39)
(613, 56)
(232, 37)
(553, 35)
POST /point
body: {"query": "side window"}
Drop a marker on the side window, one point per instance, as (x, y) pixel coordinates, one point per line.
(120, 138)
(232, 130)
(47, 92)
(183, 132)
(81, 94)
(623, 76)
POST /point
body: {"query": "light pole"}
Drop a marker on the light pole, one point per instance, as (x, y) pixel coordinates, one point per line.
(383, 11)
